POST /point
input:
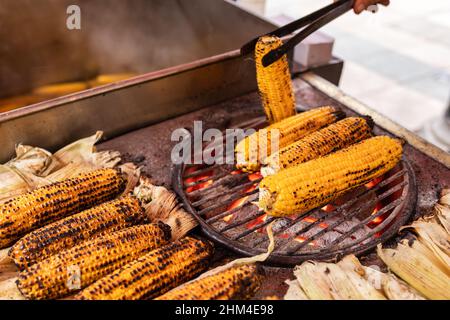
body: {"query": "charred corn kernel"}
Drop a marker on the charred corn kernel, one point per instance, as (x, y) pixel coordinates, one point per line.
(274, 82)
(256, 147)
(327, 140)
(91, 260)
(49, 203)
(314, 183)
(235, 283)
(154, 273)
(65, 233)
(60, 89)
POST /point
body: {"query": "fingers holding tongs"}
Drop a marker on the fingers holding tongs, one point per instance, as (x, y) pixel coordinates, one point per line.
(309, 23)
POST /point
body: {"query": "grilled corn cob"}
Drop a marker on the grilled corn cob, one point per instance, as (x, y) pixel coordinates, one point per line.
(46, 204)
(274, 82)
(154, 273)
(91, 260)
(327, 140)
(66, 233)
(235, 283)
(319, 181)
(256, 147)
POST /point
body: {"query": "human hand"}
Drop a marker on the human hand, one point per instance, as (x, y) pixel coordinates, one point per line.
(361, 5)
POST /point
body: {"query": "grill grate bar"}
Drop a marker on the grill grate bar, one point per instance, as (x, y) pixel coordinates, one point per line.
(365, 222)
(225, 203)
(200, 181)
(253, 229)
(232, 211)
(379, 228)
(243, 221)
(200, 171)
(237, 189)
(344, 219)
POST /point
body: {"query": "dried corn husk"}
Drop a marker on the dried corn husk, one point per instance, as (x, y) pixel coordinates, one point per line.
(391, 286)
(82, 156)
(395, 289)
(294, 291)
(416, 266)
(162, 204)
(445, 197)
(442, 210)
(313, 280)
(18, 175)
(435, 238)
(354, 271)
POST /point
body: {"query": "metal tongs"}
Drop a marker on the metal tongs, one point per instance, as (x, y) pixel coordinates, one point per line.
(309, 23)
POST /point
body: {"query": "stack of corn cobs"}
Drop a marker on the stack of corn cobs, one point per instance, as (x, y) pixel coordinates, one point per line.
(311, 158)
(82, 237)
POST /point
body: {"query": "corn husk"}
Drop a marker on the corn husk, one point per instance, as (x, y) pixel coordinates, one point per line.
(313, 280)
(354, 271)
(395, 289)
(445, 197)
(81, 156)
(18, 175)
(161, 204)
(9, 291)
(294, 291)
(442, 212)
(431, 234)
(392, 287)
(416, 266)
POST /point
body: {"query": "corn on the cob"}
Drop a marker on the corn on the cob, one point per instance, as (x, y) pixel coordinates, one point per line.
(46, 204)
(60, 89)
(154, 273)
(92, 260)
(319, 181)
(336, 136)
(256, 147)
(235, 283)
(274, 82)
(65, 233)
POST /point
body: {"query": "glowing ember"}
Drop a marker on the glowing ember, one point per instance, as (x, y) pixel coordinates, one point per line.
(257, 221)
(199, 186)
(328, 208)
(377, 220)
(254, 176)
(284, 235)
(228, 218)
(236, 172)
(200, 177)
(303, 239)
(310, 219)
(374, 182)
(237, 203)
